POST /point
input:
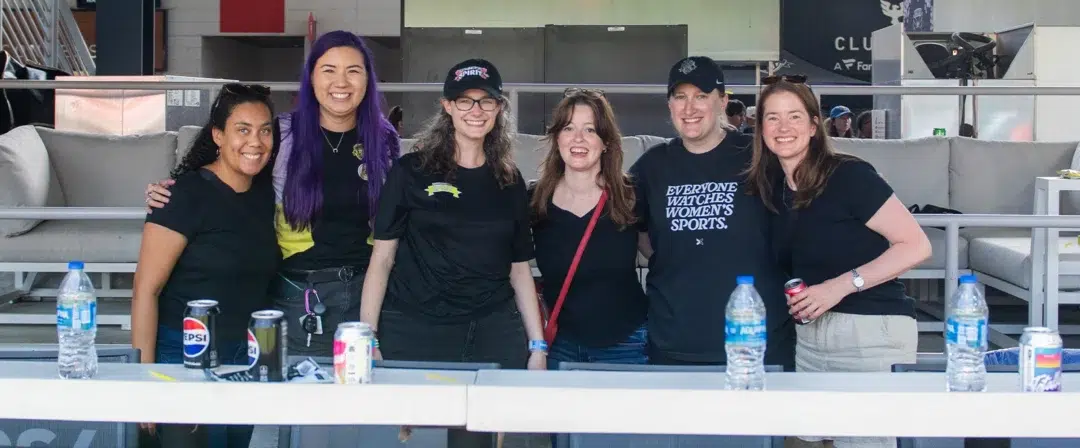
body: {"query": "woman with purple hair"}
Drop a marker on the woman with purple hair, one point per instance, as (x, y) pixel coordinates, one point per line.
(331, 157)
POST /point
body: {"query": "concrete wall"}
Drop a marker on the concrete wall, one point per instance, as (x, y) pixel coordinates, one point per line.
(732, 30)
(994, 15)
(190, 20)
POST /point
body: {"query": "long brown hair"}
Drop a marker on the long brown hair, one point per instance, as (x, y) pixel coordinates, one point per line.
(814, 170)
(611, 178)
(436, 145)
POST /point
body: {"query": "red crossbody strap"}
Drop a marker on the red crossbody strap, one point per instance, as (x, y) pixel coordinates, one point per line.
(577, 258)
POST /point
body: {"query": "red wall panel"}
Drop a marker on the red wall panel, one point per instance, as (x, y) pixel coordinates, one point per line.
(252, 16)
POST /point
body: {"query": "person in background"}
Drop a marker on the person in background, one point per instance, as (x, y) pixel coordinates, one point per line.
(751, 119)
(839, 122)
(603, 313)
(333, 153)
(736, 114)
(450, 278)
(396, 118)
(701, 230)
(839, 227)
(213, 240)
(864, 126)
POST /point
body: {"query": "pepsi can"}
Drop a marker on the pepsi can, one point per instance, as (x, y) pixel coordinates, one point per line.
(1040, 360)
(354, 343)
(266, 346)
(200, 334)
(793, 287)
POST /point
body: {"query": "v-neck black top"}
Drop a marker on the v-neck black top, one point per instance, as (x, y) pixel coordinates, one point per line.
(605, 302)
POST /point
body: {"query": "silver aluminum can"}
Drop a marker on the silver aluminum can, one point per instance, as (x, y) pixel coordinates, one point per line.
(1040, 360)
(354, 361)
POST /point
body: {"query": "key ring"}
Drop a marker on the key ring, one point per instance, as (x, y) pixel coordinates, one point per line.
(307, 302)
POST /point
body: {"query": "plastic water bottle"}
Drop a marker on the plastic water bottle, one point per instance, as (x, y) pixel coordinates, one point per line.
(745, 336)
(76, 324)
(965, 338)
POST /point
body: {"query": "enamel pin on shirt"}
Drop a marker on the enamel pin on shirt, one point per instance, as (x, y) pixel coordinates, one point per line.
(358, 152)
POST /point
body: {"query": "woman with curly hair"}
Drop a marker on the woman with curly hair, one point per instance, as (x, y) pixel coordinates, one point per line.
(213, 240)
(332, 153)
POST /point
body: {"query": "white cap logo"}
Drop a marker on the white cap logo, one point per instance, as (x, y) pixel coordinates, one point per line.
(687, 66)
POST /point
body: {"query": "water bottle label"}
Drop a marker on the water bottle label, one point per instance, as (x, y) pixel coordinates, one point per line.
(968, 332)
(81, 316)
(745, 332)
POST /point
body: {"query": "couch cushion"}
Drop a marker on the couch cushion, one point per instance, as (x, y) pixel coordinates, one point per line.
(26, 178)
(92, 241)
(995, 177)
(937, 259)
(917, 169)
(184, 138)
(1009, 259)
(107, 170)
(529, 153)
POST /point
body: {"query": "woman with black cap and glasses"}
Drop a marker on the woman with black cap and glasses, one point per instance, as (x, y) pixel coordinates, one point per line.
(449, 278)
(213, 240)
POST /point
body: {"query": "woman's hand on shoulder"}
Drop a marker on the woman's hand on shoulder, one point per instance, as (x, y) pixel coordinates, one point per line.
(157, 194)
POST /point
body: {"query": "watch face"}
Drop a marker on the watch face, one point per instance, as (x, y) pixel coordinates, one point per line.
(858, 282)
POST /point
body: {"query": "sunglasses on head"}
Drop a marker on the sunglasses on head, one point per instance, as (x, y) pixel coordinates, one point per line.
(794, 79)
(240, 89)
(579, 91)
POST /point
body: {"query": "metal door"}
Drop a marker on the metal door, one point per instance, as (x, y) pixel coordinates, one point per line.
(639, 54)
(428, 54)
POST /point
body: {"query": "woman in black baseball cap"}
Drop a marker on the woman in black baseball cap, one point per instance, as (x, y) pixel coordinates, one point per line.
(453, 224)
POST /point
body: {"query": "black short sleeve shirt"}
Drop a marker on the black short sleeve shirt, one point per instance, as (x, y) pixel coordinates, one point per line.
(231, 253)
(457, 239)
(829, 237)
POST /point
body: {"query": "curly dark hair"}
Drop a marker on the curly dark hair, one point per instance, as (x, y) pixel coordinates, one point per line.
(436, 145)
(203, 150)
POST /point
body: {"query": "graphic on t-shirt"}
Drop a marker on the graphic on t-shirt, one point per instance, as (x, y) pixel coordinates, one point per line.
(703, 206)
(442, 187)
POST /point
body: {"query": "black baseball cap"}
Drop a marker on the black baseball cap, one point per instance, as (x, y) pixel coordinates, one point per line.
(472, 74)
(704, 73)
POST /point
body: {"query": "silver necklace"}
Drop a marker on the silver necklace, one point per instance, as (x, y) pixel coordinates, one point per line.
(332, 147)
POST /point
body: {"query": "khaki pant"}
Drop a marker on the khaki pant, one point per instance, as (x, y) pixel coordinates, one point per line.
(838, 342)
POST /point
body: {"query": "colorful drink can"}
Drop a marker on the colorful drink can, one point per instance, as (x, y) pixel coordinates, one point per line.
(939, 132)
(266, 337)
(1040, 360)
(354, 343)
(200, 335)
(792, 287)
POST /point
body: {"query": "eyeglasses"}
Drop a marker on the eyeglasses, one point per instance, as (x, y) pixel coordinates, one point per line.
(466, 104)
(794, 79)
(579, 91)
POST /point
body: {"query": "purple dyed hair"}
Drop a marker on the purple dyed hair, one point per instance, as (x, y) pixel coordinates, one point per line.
(302, 196)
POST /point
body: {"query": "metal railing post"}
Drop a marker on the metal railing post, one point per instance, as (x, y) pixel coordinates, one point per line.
(952, 259)
(515, 114)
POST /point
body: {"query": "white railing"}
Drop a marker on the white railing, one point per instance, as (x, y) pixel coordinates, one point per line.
(44, 32)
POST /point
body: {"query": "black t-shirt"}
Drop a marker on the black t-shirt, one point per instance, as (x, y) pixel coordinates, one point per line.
(457, 239)
(231, 253)
(829, 237)
(705, 231)
(605, 302)
(338, 235)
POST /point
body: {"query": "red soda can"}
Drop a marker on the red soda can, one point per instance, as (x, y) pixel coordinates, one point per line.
(793, 287)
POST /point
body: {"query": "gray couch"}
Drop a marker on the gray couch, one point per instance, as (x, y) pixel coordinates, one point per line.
(44, 167)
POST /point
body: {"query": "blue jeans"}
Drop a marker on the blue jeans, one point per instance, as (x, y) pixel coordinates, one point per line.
(629, 351)
(170, 350)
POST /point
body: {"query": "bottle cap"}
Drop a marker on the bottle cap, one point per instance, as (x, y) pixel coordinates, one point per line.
(744, 280)
(75, 265)
(969, 278)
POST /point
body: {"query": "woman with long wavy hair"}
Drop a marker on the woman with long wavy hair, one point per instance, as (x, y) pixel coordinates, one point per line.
(333, 152)
(450, 277)
(603, 313)
(214, 240)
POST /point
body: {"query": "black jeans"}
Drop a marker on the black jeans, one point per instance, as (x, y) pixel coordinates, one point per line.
(497, 337)
(170, 350)
(338, 289)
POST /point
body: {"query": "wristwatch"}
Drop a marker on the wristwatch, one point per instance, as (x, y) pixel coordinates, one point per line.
(857, 280)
